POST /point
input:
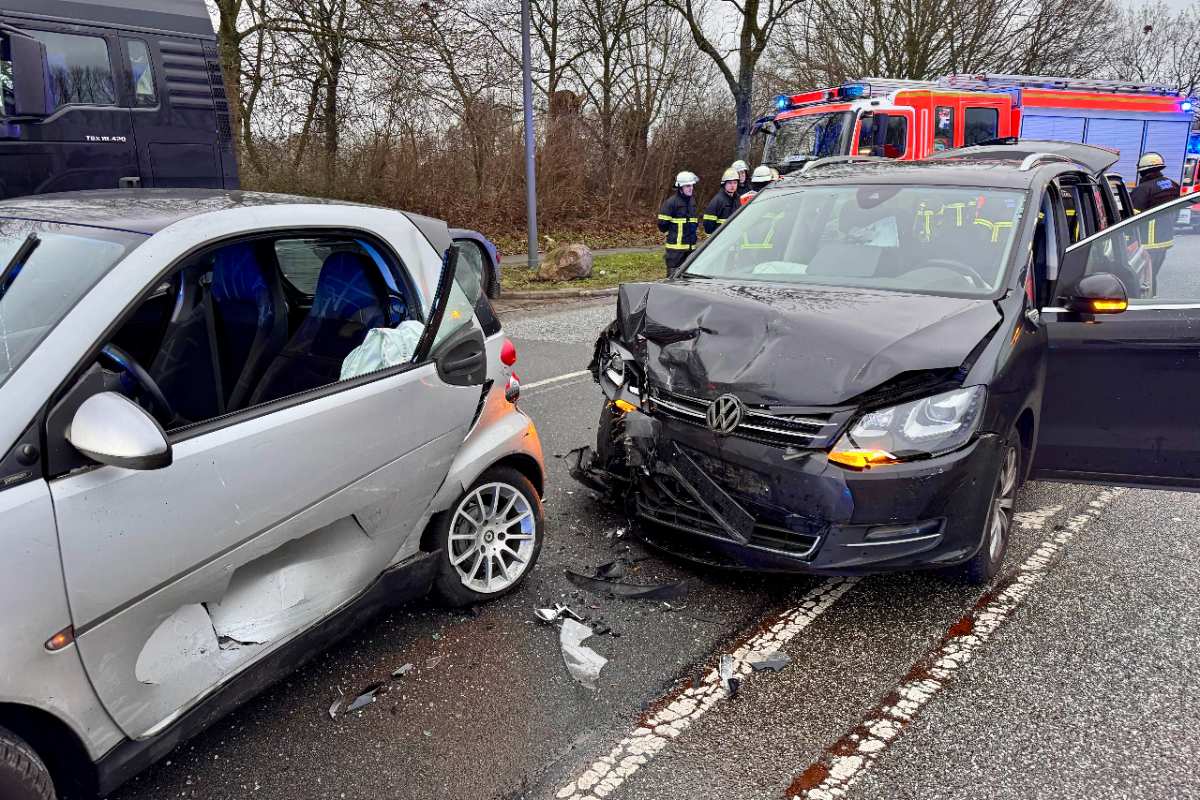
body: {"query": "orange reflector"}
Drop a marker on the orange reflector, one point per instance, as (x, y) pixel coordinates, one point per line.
(1101, 306)
(625, 405)
(862, 459)
(61, 639)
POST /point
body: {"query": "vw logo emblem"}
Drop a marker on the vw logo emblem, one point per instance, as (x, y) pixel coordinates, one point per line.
(724, 414)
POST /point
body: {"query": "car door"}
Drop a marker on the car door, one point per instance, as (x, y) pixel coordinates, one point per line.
(1120, 394)
(268, 519)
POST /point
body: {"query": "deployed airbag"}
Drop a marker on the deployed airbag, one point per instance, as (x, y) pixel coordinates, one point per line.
(383, 348)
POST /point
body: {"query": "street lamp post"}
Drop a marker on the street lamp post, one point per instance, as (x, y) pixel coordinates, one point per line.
(530, 168)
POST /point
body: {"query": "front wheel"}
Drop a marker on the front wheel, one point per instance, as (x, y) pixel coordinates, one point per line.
(489, 539)
(998, 526)
(23, 776)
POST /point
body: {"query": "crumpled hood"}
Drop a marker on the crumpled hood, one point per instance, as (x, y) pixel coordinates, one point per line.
(799, 346)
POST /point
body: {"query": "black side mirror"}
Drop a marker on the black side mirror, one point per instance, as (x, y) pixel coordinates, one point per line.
(1098, 293)
(30, 77)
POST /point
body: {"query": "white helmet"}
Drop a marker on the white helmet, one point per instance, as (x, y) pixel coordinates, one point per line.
(730, 175)
(762, 174)
(686, 178)
(740, 166)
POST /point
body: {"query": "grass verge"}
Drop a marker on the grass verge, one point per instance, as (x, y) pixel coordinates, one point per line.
(607, 271)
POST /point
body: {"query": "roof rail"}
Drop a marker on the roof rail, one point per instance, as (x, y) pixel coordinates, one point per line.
(1035, 159)
(885, 86)
(994, 80)
(829, 161)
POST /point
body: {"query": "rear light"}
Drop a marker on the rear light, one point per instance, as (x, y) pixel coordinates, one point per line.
(512, 391)
(508, 353)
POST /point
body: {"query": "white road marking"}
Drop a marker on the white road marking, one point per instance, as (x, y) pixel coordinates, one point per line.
(679, 711)
(850, 757)
(556, 379)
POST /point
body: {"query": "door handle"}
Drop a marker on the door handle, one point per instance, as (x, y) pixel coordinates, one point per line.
(465, 363)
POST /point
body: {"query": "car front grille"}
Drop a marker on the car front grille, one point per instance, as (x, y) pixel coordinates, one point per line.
(665, 502)
(814, 429)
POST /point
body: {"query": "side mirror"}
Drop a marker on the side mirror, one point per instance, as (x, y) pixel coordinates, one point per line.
(30, 77)
(1098, 293)
(112, 429)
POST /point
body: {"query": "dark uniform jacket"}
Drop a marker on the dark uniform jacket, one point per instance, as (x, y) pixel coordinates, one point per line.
(720, 208)
(677, 218)
(1153, 190)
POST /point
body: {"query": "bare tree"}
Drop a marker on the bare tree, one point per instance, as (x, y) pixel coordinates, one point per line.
(1155, 45)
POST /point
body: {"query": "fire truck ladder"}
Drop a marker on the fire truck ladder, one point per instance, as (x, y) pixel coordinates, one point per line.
(993, 81)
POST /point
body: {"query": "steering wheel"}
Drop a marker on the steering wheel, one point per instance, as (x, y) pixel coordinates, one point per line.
(117, 359)
(954, 266)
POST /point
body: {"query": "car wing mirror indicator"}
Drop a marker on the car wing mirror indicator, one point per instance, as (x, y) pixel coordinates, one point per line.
(1098, 293)
(112, 429)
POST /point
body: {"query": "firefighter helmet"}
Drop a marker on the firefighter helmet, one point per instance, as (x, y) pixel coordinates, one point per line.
(686, 178)
(730, 175)
(739, 166)
(762, 174)
(1149, 161)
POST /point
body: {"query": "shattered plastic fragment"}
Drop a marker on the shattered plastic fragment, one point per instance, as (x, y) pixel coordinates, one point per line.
(402, 671)
(730, 683)
(629, 591)
(772, 662)
(583, 663)
(559, 611)
(611, 570)
(365, 699)
(333, 709)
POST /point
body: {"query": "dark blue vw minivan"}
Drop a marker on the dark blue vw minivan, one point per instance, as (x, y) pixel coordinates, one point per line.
(100, 94)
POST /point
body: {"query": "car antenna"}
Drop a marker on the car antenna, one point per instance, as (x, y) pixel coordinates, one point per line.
(9, 273)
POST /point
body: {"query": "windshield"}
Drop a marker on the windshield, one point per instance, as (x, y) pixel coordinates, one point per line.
(42, 278)
(811, 136)
(930, 239)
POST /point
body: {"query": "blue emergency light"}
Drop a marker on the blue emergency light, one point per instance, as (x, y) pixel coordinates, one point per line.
(853, 91)
(1186, 106)
(782, 102)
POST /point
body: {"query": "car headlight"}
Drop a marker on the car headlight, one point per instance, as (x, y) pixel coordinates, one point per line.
(617, 365)
(928, 427)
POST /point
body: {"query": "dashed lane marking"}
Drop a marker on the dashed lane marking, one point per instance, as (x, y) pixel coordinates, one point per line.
(556, 379)
(678, 710)
(843, 763)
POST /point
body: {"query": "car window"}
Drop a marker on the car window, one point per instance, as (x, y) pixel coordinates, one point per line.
(141, 74)
(884, 135)
(37, 291)
(80, 72)
(934, 239)
(943, 129)
(472, 263)
(980, 125)
(1155, 255)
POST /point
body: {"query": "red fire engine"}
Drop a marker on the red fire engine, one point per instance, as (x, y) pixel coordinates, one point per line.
(912, 119)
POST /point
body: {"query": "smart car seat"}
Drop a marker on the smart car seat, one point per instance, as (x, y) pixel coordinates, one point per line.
(251, 319)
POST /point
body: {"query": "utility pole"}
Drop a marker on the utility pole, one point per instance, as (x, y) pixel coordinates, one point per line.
(530, 169)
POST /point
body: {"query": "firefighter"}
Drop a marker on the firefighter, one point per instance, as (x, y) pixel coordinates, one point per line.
(677, 218)
(1154, 189)
(723, 203)
(763, 177)
(743, 172)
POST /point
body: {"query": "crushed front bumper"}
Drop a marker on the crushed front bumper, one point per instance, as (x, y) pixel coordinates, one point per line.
(733, 502)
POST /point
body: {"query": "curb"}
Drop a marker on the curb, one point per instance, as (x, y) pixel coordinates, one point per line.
(553, 294)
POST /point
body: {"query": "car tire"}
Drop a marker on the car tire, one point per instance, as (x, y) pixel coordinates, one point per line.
(476, 557)
(997, 530)
(23, 776)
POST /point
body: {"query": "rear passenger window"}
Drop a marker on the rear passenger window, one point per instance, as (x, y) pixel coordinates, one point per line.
(980, 124)
(80, 72)
(141, 74)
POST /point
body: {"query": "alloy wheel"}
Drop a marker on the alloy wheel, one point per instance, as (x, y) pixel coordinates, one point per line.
(1003, 501)
(492, 537)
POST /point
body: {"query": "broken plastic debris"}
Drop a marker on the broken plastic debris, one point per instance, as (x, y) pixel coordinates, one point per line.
(333, 709)
(400, 672)
(583, 663)
(629, 591)
(366, 698)
(559, 611)
(772, 662)
(611, 570)
(433, 661)
(728, 681)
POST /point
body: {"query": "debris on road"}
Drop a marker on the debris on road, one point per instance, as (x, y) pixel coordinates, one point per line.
(629, 591)
(400, 672)
(583, 663)
(611, 570)
(729, 682)
(774, 661)
(367, 697)
(333, 709)
(559, 611)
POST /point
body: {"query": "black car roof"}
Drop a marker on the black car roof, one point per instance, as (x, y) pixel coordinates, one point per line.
(997, 173)
(175, 16)
(1091, 157)
(148, 211)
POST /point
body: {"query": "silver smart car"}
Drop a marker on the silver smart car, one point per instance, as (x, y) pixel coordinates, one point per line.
(232, 425)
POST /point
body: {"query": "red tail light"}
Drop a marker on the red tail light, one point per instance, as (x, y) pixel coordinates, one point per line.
(508, 353)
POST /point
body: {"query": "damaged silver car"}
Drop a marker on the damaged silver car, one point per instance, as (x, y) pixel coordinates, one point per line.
(235, 425)
(858, 370)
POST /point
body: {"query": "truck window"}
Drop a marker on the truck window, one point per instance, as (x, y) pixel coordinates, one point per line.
(883, 135)
(980, 124)
(80, 72)
(943, 129)
(141, 73)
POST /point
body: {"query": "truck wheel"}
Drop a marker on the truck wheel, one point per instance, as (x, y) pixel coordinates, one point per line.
(23, 776)
(489, 539)
(997, 528)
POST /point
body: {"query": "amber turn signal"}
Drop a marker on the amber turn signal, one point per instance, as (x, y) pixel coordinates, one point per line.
(61, 639)
(862, 459)
(1109, 306)
(624, 405)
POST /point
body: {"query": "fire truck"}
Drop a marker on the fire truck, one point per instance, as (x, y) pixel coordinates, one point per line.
(905, 119)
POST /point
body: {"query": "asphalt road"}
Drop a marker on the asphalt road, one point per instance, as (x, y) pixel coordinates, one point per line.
(1073, 677)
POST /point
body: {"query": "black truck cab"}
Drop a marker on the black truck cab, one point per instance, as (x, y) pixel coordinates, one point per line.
(100, 94)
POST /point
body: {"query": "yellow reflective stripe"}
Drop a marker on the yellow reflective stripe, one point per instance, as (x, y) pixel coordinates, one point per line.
(1070, 212)
(958, 212)
(711, 217)
(693, 220)
(678, 246)
(994, 227)
(928, 215)
(665, 218)
(1152, 229)
(1159, 245)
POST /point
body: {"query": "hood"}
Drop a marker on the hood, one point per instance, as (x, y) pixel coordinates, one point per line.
(783, 345)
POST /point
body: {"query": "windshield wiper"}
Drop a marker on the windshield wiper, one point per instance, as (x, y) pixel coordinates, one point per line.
(13, 267)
